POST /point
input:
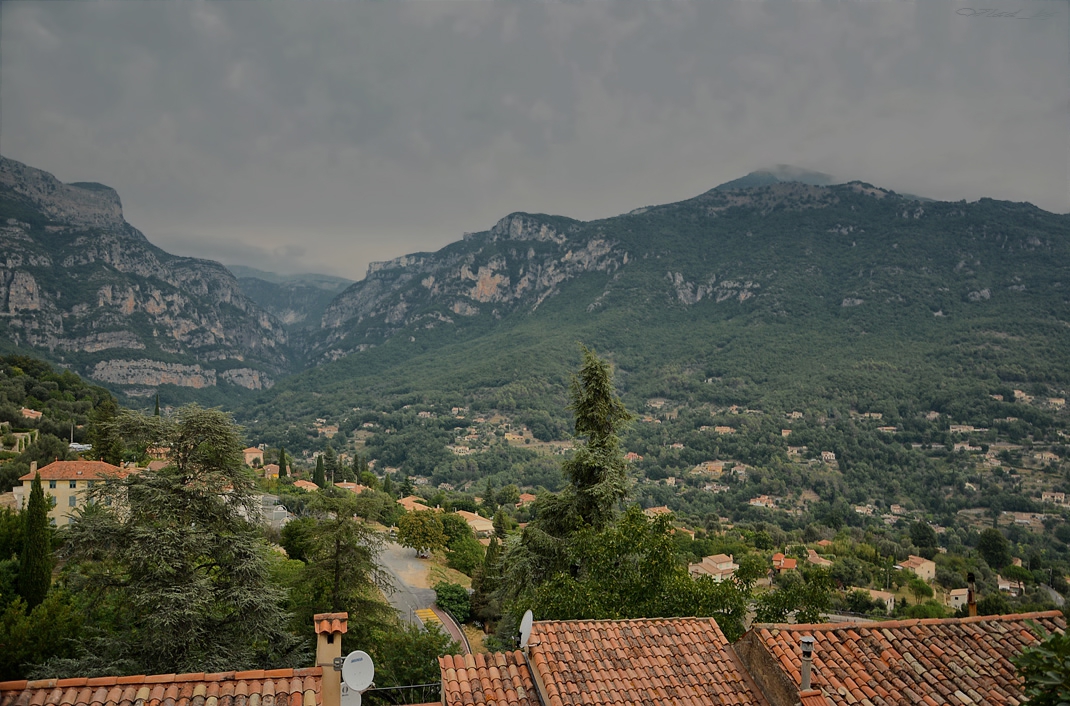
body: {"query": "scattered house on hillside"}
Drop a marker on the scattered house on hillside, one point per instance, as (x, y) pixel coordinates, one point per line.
(413, 503)
(957, 597)
(653, 512)
(30, 413)
(897, 510)
(676, 445)
(762, 501)
(425, 415)
(887, 430)
(711, 468)
(715, 488)
(1053, 497)
(159, 453)
(66, 482)
(783, 563)
(271, 470)
(924, 569)
(866, 510)
(328, 430)
(828, 457)
(1045, 457)
(785, 433)
(1008, 586)
(724, 430)
(883, 597)
(961, 428)
(632, 456)
(816, 559)
(688, 532)
(526, 499)
(796, 451)
(254, 457)
(479, 524)
(306, 485)
(960, 661)
(1059, 402)
(671, 481)
(824, 543)
(795, 415)
(720, 567)
(353, 487)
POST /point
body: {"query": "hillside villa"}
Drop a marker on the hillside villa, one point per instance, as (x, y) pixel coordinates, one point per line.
(67, 482)
(254, 457)
(720, 567)
(921, 567)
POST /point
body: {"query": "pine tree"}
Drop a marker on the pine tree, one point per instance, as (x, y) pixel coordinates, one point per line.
(282, 462)
(388, 485)
(407, 487)
(35, 561)
(330, 465)
(499, 524)
(319, 477)
(102, 434)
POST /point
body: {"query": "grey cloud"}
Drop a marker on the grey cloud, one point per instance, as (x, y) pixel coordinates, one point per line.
(366, 130)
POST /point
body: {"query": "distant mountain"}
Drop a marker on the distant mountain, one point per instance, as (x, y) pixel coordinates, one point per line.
(777, 175)
(787, 294)
(297, 300)
(83, 287)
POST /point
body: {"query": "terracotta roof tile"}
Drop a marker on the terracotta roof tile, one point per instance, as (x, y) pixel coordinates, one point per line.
(300, 687)
(78, 470)
(502, 679)
(329, 623)
(932, 661)
(649, 661)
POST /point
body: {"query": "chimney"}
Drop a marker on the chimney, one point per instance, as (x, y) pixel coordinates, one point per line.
(329, 630)
(33, 466)
(807, 651)
(971, 595)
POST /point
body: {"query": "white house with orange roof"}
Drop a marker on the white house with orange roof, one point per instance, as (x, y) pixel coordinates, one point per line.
(718, 566)
(67, 482)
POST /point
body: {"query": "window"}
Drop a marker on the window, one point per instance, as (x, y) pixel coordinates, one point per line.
(51, 484)
(72, 501)
(74, 483)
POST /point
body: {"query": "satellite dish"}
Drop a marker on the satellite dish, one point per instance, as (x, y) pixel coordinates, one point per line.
(525, 628)
(358, 671)
(350, 697)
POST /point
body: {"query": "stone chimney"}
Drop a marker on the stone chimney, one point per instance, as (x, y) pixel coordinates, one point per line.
(33, 466)
(971, 596)
(329, 630)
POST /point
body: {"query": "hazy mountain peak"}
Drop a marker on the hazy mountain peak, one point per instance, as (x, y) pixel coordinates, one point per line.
(777, 174)
(79, 204)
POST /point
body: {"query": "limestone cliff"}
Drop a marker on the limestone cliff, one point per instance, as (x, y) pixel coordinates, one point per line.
(79, 283)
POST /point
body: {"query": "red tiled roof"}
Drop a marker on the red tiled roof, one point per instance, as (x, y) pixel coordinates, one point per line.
(924, 662)
(78, 470)
(649, 661)
(812, 698)
(306, 485)
(292, 687)
(331, 622)
(502, 679)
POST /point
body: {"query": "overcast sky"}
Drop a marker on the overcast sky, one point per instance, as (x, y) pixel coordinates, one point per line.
(318, 136)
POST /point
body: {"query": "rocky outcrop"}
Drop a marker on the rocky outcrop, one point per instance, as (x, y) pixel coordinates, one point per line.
(518, 264)
(76, 278)
(83, 204)
(152, 372)
(247, 378)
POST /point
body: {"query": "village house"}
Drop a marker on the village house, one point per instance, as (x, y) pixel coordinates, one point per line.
(783, 563)
(724, 430)
(924, 569)
(66, 482)
(957, 597)
(306, 485)
(1053, 497)
(653, 512)
(796, 450)
(479, 524)
(711, 468)
(31, 413)
(413, 503)
(762, 501)
(884, 598)
(828, 457)
(816, 559)
(254, 457)
(271, 470)
(526, 499)
(632, 456)
(1007, 586)
(866, 510)
(352, 487)
(719, 567)
(785, 433)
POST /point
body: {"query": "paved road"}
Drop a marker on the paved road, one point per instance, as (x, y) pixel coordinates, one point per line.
(410, 580)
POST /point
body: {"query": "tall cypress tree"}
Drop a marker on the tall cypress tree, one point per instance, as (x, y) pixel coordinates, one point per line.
(35, 561)
(282, 462)
(319, 478)
(157, 413)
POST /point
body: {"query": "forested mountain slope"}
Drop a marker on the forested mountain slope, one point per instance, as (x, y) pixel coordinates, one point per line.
(773, 296)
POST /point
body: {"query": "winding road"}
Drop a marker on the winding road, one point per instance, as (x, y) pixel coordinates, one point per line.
(412, 597)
